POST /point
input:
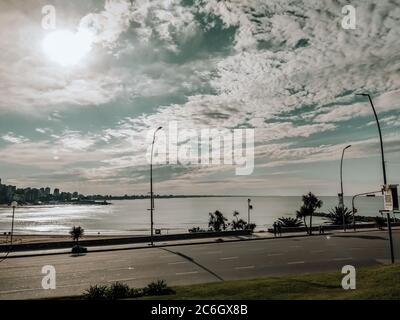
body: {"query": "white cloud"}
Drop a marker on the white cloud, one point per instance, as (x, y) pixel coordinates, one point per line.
(13, 138)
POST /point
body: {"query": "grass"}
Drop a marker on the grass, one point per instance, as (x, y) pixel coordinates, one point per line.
(376, 283)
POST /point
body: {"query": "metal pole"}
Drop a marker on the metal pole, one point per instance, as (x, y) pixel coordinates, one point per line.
(12, 226)
(341, 186)
(248, 211)
(353, 207)
(384, 172)
(151, 189)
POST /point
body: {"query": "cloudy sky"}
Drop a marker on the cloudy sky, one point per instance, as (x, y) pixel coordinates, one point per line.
(77, 115)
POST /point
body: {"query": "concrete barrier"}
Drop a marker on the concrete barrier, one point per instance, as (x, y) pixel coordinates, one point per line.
(120, 241)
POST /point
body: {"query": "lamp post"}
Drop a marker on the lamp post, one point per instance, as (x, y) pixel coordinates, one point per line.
(249, 207)
(384, 172)
(14, 204)
(341, 196)
(151, 187)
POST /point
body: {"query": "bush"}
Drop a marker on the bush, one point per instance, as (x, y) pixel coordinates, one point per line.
(196, 229)
(289, 222)
(119, 290)
(157, 288)
(79, 249)
(97, 292)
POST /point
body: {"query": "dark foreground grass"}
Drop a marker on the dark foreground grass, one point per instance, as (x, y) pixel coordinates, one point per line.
(379, 282)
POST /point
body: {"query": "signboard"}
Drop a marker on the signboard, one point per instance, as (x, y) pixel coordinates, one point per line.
(395, 196)
(387, 199)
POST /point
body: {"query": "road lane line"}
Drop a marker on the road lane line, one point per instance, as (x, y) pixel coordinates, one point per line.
(178, 262)
(342, 259)
(295, 246)
(274, 254)
(247, 267)
(317, 251)
(126, 279)
(296, 262)
(184, 273)
(229, 258)
(213, 252)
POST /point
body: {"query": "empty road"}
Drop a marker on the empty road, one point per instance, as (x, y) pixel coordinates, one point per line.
(21, 278)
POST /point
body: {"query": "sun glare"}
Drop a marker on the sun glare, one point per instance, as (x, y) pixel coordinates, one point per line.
(67, 48)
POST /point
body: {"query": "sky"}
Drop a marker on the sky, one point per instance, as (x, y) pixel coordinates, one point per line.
(79, 103)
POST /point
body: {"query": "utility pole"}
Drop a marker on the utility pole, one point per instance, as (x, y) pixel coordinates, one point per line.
(341, 196)
(151, 189)
(384, 174)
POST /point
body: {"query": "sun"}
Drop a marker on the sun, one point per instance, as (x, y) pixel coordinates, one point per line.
(67, 48)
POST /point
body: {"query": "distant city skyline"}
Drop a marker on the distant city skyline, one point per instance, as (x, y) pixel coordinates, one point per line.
(80, 118)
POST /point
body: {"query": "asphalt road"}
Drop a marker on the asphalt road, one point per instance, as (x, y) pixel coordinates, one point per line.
(21, 278)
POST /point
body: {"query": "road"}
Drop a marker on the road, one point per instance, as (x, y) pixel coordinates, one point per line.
(21, 278)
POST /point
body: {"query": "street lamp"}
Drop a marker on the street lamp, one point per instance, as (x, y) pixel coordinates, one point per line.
(341, 196)
(249, 207)
(151, 187)
(14, 204)
(383, 169)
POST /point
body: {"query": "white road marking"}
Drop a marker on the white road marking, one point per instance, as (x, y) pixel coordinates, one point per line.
(317, 251)
(294, 246)
(342, 259)
(247, 267)
(257, 249)
(229, 258)
(296, 262)
(213, 252)
(126, 279)
(184, 273)
(274, 254)
(178, 262)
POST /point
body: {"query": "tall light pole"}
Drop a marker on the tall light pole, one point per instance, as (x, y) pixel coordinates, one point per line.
(384, 171)
(151, 187)
(341, 196)
(14, 204)
(249, 207)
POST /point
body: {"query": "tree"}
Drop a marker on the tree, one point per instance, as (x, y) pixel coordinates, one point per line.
(302, 214)
(76, 233)
(336, 215)
(238, 224)
(217, 221)
(310, 204)
(289, 222)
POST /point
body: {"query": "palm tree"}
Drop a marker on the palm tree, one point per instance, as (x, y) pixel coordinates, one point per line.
(76, 233)
(339, 214)
(302, 214)
(238, 224)
(310, 204)
(289, 222)
(217, 221)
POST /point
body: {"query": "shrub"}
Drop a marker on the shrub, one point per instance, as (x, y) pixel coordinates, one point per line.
(97, 292)
(118, 290)
(336, 215)
(289, 222)
(79, 249)
(157, 288)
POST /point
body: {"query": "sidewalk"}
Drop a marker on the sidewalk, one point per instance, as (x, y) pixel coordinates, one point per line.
(255, 236)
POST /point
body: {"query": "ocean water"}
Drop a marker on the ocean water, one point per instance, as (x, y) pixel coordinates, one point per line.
(170, 215)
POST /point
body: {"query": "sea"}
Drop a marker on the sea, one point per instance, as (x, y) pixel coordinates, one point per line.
(173, 215)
